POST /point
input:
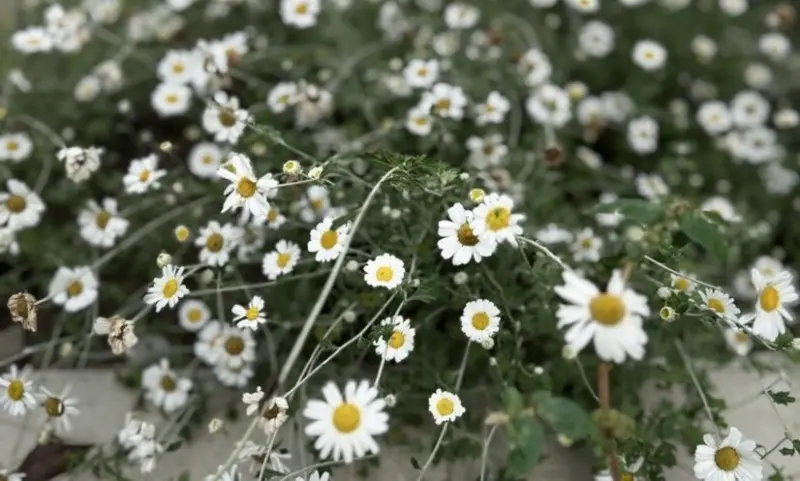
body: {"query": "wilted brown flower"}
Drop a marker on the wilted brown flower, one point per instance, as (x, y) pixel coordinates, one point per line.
(23, 310)
(119, 331)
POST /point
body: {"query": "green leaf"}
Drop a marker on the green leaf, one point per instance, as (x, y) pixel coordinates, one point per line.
(704, 233)
(642, 211)
(512, 400)
(565, 417)
(796, 444)
(787, 451)
(526, 445)
(781, 397)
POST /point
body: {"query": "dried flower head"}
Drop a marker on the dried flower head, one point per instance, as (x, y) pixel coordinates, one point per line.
(23, 310)
(274, 415)
(119, 331)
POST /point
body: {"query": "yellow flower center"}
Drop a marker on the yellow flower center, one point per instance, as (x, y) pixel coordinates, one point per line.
(234, 345)
(716, 305)
(252, 313)
(397, 340)
(16, 203)
(74, 288)
(16, 389)
(171, 99)
(207, 159)
(384, 274)
(727, 459)
(682, 284)
(246, 187)
(54, 407)
(170, 288)
(626, 477)
(445, 407)
(346, 418)
(195, 315)
(182, 233)
(769, 299)
(214, 242)
(283, 259)
(328, 239)
(607, 309)
(587, 243)
(498, 218)
(227, 117)
(144, 175)
(480, 321)
(442, 104)
(741, 337)
(102, 219)
(12, 145)
(168, 383)
(466, 236)
(272, 215)
(421, 121)
(301, 8)
(317, 204)
(178, 67)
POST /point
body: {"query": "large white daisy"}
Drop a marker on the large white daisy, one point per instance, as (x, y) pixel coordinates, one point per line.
(344, 423)
(457, 239)
(494, 220)
(774, 294)
(734, 459)
(613, 319)
(480, 320)
(400, 343)
(167, 289)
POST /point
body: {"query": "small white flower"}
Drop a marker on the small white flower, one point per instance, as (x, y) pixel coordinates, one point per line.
(445, 406)
(536, 67)
(282, 96)
(681, 283)
(216, 242)
(596, 39)
(733, 459)
(20, 207)
(167, 289)
(738, 340)
(252, 400)
(180, 67)
(15, 146)
(327, 242)
(250, 317)
(446, 101)
(224, 119)
(553, 234)
(420, 73)
(651, 186)
(101, 226)
(459, 16)
(493, 110)
(714, 117)
(720, 304)
(274, 416)
(401, 342)
(73, 288)
(749, 109)
(59, 407)
(164, 388)
(643, 135)
(495, 221)
(722, 207)
(280, 261)
(143, 175)
(385, 270)
(205, 159)
(586, 246)
(419, 121)
(458, 241)
(480, 320)
(16, 391)
(170, 99)
(193, 314)
(584, 6)
(775, 293)
(32, 40)
(649, 55)
(245, 190)
(550, 105)
(80, 163)
(300, 13)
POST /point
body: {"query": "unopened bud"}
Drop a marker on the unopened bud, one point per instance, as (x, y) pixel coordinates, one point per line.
(292, 167)
(315, 173)
(667, 314)
(215, 425)
(664, 292)
(166, 147)
(163, 260)
(477, 195)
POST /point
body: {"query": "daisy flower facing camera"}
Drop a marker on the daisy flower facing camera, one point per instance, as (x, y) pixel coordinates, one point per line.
(326, 241)
(244, 189)
(280, 261)
(252, 316)
(457, 239)
(74, 289)
(167, 289)
(164, 388)
(613, 319)
(774, 294)
(493, 219)
(445, 406)
(720, 303)
(480, 320)
(400, 343)
(20, 207)
(344, 423)
(15, 392)
(733, 459)
(385, 270)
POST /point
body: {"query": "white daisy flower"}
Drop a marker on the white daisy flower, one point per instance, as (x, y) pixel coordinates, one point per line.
(493, 110)
(205, 159)
(143, 175)
(738, 340)
(734, 459)
(32, 40)
(651, 186)
(613, 319)
(400, 344)
(101, 226)
(180, 66)
(643, 135)
(420, 73)
(768, 266)
(722, 207)
(252, 316)
(238, 347)
(681, 283)
(15, 146)
(419, 121)
(459, 15)
(549, 105)
(596, 39)
(16, 391)
(167, 289)
(344, 423)
(164, 388)
(73, 288)
(457, 239)
(216, 242)
(480, 320)
(720, 303)
(237, 376)
(224, 119)
(59, 408)
(208, 346)
(494, 220)
(170, 99)
(244, 189)
(280, 261)
(326, 242)
(486, 151)
(586, 246)
(446, 101)
(774, 294)
(300, 13)
(20, 207)
(276, 414)
(649, 55)
(282, 96)
(553, 234)
(193, 314)
(316, 204)
(445, 406)
(385, 270)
